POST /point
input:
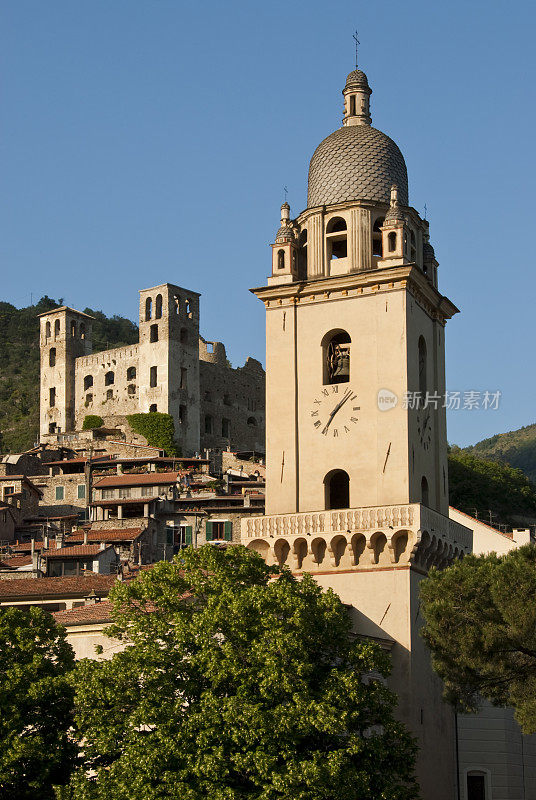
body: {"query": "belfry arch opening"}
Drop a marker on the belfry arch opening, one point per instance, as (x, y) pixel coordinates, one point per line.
(336, 238)
(377, 247)
(337, 489)
(280, 259)
(336, 357)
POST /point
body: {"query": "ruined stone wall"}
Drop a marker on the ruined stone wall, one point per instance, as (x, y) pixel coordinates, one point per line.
(232, 400)
(124, 389)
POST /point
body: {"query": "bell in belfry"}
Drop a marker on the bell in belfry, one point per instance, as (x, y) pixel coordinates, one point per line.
(340, 363)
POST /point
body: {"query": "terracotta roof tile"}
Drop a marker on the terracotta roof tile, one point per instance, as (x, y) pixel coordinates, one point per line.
(143, 479)
(106, 535)
(14, 562)
(77, 550)
(94, 613)
(78, 586)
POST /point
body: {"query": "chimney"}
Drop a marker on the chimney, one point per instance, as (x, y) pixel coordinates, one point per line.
(85, 535)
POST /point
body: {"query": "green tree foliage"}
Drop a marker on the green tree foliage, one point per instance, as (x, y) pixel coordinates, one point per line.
(19, 370)
(92, 421)
(481, 628)
(235, 685)
(36, 701)
(476, 483)
(157, 428)
(517, 448)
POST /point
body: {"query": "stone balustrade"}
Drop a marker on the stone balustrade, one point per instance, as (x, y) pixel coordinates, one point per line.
(358, 537)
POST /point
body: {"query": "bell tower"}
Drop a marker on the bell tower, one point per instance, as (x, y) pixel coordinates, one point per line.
(356, 482)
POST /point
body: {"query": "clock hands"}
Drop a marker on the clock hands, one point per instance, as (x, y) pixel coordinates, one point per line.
(346, 397)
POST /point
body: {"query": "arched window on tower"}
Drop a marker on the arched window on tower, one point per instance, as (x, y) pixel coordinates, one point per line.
(336, 357)
(82, 330)
(377, 248)
(413, 246)
(73, 328)
(148, 309)
(280, 259)
(109, 378)
(131, 373)
(425, 499)
(56, 329)
(52, 357)
(391, 238)
(337, 489)
(158, 307)
(48, 331)
(302, 255)
(423, 377)
(88, 382)
(336, 235)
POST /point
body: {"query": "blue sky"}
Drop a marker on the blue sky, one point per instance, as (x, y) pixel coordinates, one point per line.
(149, 140)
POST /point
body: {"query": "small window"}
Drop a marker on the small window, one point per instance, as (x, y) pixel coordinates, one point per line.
(88, 382)
(9, 490)
(177, 302)
(52, 427)
(56, 329)
(184, 378)
(107, 494)
(124, 492)
(182, 415)
(153, 408)
(147, 491)
(109, 379)
(336, 225)
(73, 328)
(158, 307)
(52, 357)
(131, 388)
(476, 786)
(226, 400)
(183, 336)
(153, 377)
(48, 331)
(226, 428)
(413, 246)
(59, 492)
(148, 309)
(336, 238)
(52, 397)
(81, 491)
(337, 489)
(252, 422)
(208, 423)
(153, 336)
(391, 238)
(280, 259)
(131, 373)
(82, 330)
(89, 399)
(109, 394)
(187, 308)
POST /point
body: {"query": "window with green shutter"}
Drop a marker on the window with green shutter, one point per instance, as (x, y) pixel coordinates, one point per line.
(208, 530)
(81, 491)
(188, 531)
(59, 492)
(228, 526)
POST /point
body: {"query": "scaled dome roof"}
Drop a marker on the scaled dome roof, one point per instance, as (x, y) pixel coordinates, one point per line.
(356, 162)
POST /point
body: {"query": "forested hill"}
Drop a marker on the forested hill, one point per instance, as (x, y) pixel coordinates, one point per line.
(19, 365)
(517, 448)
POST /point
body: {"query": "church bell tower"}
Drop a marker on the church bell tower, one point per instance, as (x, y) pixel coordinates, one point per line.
(357, 483)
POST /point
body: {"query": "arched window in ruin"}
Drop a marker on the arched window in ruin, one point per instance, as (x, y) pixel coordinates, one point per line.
(252, 422)
(336, 357)
(48, 331)
(391, 238)
(153, 377)
(337, 489)
(52, 357)
(336, 235)
(109, 378)
(109, 394)
(73, 328)
(425, 497)
(423, 378)
(377, 247)
(88, 382)
(158, 307)
(148, 309)
(280, 259)
(131, 388)
(56, 329)
(82, 330)
(131, 373)
(153, 334)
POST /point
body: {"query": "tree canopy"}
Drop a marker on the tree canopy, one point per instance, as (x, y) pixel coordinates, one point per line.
(237, 681)
(36, 701)
(480, 618)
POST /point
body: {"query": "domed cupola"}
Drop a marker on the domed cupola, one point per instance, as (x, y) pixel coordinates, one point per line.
(356, 162)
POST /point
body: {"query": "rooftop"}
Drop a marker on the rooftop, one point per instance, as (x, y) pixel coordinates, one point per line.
(77, 586)
(143, 479)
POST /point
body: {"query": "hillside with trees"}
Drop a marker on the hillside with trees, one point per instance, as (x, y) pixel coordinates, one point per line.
(517, 448)
(19, 365)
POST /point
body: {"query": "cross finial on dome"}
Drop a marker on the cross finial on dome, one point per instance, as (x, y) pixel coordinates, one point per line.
(357, 43)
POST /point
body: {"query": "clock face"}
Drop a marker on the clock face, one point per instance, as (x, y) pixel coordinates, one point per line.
(335, 410)
(424, 428)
